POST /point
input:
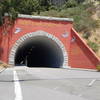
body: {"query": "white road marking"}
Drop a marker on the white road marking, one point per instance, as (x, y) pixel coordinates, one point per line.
(18, 92)
(91, 83)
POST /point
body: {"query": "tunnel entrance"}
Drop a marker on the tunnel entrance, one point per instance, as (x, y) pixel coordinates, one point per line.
(39, 52)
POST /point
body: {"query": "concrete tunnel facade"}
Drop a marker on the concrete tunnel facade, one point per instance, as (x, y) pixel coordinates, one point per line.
(39, 41)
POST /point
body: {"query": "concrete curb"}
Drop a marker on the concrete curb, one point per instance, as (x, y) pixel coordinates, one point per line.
(43, 17)
(70, 68)
(81, 69)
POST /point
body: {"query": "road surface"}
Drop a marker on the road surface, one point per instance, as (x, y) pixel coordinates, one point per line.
(23, 83)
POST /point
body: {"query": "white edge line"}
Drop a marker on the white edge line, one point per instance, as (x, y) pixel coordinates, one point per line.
(17, 87)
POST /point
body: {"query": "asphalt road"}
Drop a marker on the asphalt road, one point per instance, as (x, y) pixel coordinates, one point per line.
(23, 83)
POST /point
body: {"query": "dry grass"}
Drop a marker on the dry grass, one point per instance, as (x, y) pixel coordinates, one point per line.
(95, 36)
(4, 65)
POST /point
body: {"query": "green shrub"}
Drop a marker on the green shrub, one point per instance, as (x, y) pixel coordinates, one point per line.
(70, 3)
(49, 13)
(98, 67)
(94, 46)
(86, 35)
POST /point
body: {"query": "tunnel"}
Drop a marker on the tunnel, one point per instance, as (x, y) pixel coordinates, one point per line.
(39, 52)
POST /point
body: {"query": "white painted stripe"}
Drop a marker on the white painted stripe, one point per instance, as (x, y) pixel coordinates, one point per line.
(91, 83)
(18, 92)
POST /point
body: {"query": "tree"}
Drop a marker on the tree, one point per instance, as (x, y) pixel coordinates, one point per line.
(80, 1)
(1, 16)
(70, 4)
(10, 7)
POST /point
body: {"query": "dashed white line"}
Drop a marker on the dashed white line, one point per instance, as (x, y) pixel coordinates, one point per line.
(17, 87)
(91, 83)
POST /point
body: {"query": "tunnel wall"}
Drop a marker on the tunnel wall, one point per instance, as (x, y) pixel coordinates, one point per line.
(79, 55)
(56, 28)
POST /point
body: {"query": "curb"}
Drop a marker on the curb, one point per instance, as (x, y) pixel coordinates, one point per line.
(70, 68)
(81, 69)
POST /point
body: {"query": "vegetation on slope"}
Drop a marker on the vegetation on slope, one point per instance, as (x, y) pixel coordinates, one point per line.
(82, 11)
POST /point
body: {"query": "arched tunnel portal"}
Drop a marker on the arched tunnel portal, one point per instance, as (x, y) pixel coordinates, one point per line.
(39, 51)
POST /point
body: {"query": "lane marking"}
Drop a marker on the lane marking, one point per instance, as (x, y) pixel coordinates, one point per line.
(91, 83)
(18, 92)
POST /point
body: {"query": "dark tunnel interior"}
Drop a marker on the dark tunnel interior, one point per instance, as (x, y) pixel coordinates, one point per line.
(39, 52)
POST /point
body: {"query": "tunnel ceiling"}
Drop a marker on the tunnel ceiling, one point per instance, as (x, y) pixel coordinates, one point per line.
(39, 51)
